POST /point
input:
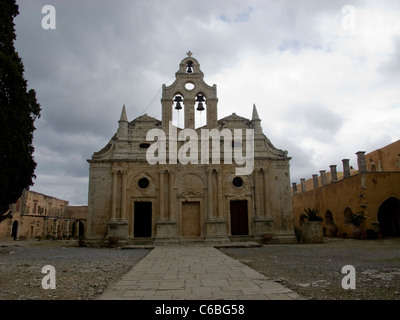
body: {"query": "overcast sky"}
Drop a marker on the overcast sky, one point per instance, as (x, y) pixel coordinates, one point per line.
(325, 85)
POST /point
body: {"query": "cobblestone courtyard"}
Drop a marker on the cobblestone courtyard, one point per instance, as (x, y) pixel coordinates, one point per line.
(313, 271)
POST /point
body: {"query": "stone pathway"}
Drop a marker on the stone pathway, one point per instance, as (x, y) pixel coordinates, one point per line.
(194, 273)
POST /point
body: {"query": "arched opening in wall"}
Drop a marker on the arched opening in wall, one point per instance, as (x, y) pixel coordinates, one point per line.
(329, 217)
(189, 67)
(78, 229)
(178, 111)
(389, 217)
(14, 230)
(200, 112)
(373, 167)
(348, 214)
(81, 229)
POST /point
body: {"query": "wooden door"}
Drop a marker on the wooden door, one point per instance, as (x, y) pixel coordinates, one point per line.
(190, 219)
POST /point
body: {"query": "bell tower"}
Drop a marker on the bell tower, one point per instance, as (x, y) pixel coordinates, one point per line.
(189, 91)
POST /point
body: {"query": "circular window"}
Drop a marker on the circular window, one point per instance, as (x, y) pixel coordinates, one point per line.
(237, 182)
(189, 86)
(143, 183)
(144, 145)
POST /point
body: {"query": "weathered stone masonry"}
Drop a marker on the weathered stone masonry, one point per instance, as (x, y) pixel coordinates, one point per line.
(171, 203)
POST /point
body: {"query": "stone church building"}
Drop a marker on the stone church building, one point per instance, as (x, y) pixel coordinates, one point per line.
(170, 201)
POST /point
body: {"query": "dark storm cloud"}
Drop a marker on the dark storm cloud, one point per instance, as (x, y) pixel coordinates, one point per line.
(104, 54)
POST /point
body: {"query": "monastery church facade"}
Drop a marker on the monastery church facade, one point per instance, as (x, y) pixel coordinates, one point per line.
(173, 202)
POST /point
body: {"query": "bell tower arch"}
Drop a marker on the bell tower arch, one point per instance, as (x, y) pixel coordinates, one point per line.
(197, 96)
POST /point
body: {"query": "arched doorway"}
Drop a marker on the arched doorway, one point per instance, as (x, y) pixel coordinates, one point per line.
(78, 229)
(389, 217)
(329, 217)
(348, 214)
(14, 230)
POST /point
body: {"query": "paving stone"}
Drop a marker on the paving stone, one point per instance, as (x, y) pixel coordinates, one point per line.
(139, 292)
(197, 272)
(214, 282)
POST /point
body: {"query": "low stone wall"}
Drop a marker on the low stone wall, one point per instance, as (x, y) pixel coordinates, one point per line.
(312, 231)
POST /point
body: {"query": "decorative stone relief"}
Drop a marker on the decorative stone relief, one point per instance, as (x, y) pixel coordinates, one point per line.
(191, 185)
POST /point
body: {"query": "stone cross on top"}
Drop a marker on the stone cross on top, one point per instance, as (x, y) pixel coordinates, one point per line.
(189, 53)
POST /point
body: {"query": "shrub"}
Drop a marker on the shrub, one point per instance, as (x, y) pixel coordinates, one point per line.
(311, 215)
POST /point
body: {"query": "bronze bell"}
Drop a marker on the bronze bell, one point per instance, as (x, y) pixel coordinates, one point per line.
(178, 100)
(200, 100)
(189, 68)
(178, 106)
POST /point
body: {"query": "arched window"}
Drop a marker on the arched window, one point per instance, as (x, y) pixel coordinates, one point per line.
(200, 111)
(189, 66)
(329, 217)
(389, 217)
(178, 112)
(348, 213)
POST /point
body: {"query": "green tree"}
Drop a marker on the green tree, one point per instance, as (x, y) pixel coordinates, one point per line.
(18, 112)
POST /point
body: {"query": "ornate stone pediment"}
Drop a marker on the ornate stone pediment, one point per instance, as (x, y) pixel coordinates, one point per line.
(190, 185)
(234, 121)
(145, 120)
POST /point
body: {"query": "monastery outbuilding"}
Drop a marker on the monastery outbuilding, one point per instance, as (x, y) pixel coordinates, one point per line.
(372, 191)
(150, 184)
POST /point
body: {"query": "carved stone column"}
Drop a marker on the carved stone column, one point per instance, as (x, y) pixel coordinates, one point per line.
(118, 226)
(123, 199)
(263, 222)
(257, 192)
(267, 210)
(114, 196)
(216, 223)
(171, 195)
(161, 196)
(166, 224)
(209, 195)
(220, 199)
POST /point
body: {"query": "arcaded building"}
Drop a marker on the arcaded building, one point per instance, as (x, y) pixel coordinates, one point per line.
(372, 190)
(39, 216)
(173, 180)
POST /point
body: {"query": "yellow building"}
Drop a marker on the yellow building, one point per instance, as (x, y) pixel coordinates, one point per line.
(373, 190)
(36, 215)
